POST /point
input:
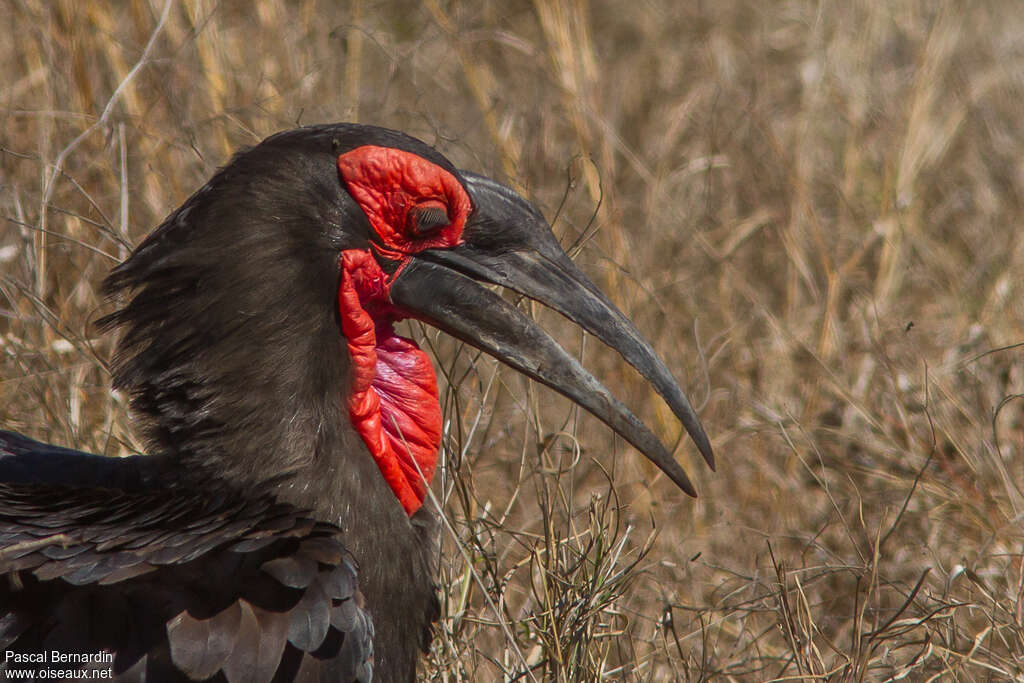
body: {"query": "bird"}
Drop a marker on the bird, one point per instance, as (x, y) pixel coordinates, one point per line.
(277, 528)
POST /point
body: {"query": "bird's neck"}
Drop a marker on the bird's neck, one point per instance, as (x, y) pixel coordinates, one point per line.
(265, 382)
(255, 356)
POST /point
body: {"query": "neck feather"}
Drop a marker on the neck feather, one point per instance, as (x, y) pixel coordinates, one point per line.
(230, 348)
(255, 356)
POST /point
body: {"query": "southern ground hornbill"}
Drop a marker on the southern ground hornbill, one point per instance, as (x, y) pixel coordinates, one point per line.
(277, 530)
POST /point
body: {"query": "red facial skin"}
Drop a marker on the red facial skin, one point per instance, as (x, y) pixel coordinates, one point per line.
(393, 400)
(388, 182)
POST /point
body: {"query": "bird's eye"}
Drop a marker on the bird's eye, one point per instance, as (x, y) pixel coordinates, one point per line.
(427, 218)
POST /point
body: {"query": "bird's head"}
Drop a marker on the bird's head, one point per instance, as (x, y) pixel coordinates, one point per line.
(338, 232)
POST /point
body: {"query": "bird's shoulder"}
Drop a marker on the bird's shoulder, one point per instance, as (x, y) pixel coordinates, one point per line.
(175, 583)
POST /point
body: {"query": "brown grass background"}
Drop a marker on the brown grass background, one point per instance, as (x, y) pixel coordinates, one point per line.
(812, 209)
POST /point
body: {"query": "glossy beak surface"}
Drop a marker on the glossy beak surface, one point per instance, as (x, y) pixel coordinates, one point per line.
(507, 242)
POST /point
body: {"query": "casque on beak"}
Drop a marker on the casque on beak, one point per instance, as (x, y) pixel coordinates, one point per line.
(507, 242)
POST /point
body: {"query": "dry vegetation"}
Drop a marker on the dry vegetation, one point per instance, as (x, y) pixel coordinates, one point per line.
(812, 209)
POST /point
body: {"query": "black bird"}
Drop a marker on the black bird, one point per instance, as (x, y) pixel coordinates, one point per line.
(276, 531)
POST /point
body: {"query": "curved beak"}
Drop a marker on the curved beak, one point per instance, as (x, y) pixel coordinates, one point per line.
(507, 242)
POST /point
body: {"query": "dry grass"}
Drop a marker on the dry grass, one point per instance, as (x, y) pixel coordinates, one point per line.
(811, 208)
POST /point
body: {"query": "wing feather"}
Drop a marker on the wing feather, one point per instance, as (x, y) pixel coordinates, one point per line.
(178, 584)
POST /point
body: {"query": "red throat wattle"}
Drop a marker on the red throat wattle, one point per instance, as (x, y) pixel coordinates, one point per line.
(393, 402)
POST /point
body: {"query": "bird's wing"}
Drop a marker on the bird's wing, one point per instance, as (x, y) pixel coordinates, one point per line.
(177, 585)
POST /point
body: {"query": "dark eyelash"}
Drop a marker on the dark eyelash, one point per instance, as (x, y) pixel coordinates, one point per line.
(423, 220)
